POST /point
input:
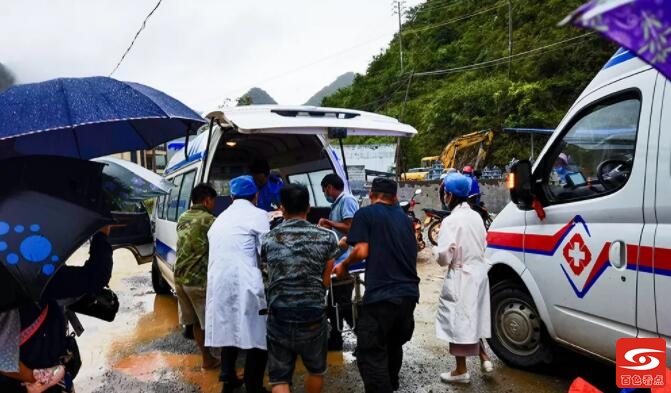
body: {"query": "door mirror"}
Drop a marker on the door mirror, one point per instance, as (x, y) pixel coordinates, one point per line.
(519, 183)
(418, 191)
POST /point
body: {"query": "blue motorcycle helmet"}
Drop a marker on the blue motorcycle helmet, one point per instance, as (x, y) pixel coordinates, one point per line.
(457, 185)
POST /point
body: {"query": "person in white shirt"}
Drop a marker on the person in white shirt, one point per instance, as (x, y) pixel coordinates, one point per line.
(463, 317)
(235, 300)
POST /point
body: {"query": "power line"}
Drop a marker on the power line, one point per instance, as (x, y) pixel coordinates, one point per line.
(144, 23)
(455, 19)
(499, 60)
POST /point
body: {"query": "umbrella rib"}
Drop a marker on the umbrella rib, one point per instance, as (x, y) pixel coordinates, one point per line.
(67, 111)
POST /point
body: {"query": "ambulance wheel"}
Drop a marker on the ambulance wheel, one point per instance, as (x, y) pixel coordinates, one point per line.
(161, 287)
(518, 335)
(433, 231)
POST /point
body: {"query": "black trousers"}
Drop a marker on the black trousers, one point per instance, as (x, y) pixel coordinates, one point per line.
(343, 297)
(255, 367)
(382, 329)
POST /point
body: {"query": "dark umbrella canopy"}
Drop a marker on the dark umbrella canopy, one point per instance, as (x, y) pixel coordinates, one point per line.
(48, 207)
(89, 117)
(38, 233)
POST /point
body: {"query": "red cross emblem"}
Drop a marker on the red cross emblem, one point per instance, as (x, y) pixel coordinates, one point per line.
(577, 254)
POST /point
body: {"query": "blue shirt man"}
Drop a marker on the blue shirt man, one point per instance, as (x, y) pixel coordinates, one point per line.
(343, 207)
(269, 185)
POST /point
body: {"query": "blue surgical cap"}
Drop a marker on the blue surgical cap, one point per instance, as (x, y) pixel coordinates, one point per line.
(457, 185)
(242, 186)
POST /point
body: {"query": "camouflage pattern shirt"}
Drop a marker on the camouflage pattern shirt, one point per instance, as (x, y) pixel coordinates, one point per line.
(296, 253)
(193, 247)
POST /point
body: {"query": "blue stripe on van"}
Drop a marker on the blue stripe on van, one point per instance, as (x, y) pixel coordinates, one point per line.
(620, 56)
(192, 158)
(165, 252)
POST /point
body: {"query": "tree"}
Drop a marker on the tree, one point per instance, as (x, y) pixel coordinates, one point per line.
(244, 100)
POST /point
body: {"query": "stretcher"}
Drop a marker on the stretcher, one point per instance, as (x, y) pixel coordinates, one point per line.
(355, 277)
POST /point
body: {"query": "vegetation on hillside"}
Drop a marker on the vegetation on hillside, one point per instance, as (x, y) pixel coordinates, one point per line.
(476, 87)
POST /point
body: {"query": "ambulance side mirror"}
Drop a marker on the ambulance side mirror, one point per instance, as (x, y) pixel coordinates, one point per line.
(519, 183)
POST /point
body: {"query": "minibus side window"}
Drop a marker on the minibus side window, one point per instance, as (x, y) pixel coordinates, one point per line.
(173, 200)
(185, 193)
(596, 154)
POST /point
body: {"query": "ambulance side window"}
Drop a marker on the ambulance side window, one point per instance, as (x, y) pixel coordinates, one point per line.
(595, 156)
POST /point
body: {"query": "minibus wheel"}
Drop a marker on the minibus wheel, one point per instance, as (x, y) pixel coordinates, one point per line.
(161, 287)
(518, 335)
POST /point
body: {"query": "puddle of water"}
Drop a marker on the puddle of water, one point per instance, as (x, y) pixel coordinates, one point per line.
(149, 318)
(150, 367)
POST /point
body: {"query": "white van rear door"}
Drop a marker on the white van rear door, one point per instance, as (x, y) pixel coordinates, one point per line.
(278, 119)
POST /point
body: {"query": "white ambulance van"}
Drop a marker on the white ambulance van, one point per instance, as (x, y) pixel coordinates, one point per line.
(582, 254)
(293, 139)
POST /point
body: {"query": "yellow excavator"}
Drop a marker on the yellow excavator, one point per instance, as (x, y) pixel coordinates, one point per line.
(451, 158)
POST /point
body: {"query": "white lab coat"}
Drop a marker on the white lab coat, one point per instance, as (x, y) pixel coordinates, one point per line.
(235, 292)
(463, 307)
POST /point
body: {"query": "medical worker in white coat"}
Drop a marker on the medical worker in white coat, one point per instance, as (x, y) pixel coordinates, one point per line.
(463, 317)
(236, 301)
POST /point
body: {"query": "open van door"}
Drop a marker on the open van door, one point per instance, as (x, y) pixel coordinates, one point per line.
(133, 231)
(294, 138)
(128, 185)
(275, 119)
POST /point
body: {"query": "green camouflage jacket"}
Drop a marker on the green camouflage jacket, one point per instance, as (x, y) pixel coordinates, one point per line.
(192, 247)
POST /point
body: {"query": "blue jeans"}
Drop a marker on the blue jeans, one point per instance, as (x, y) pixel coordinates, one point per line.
(293, 332)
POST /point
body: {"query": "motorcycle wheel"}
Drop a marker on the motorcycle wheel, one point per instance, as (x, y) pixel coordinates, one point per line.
(433, 231)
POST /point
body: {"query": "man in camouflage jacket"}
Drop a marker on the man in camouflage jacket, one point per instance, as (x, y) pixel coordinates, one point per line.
(191, 265)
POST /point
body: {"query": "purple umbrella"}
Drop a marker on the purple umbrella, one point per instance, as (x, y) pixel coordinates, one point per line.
(642, 26)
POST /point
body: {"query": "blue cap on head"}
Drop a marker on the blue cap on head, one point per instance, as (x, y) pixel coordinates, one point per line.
(242, 186)
(457, 185)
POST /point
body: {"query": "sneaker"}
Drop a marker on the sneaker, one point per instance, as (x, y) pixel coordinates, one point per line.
(459, 378)
(487, 366)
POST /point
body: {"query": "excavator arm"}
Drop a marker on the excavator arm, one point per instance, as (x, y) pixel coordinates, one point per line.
(451, 151)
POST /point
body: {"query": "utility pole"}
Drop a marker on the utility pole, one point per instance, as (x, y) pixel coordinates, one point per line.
(510, 36)
(399, 6)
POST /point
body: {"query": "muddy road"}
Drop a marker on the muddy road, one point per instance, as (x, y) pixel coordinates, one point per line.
(143, 349)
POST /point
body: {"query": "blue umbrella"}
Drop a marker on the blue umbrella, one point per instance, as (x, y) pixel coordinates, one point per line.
(89, 117)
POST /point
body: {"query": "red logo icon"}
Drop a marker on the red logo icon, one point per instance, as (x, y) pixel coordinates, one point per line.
(641, 362)
(577, 254)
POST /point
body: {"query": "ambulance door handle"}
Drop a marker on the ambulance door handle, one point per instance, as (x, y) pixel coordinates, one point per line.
(617, 255)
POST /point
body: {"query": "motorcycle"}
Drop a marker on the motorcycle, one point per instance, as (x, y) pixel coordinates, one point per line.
(479, 207)
(408, 207)
(434, 217)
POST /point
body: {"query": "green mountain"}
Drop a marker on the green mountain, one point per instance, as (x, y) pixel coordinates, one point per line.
(256, 96)
(343, 80)
(457, 76)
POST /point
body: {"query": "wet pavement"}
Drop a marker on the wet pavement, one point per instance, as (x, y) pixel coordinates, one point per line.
(143, 349)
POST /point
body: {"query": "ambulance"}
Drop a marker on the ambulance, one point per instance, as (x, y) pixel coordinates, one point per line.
(581, 256)
(294, 140)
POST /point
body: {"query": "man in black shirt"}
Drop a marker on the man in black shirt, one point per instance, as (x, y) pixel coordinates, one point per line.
(383, 235)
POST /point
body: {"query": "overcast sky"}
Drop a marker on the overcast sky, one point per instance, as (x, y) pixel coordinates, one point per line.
(200, 51)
